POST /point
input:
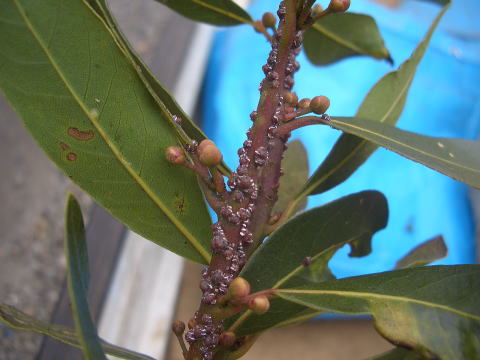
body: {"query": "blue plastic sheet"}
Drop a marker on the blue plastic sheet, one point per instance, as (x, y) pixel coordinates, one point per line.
(444, 100)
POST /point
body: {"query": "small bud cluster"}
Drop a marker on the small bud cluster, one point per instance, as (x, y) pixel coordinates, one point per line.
(295, 108)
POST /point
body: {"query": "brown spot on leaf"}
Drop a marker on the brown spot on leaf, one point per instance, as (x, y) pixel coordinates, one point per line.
(64, 146)
(71, 156)
(79, 134)
(180, 204)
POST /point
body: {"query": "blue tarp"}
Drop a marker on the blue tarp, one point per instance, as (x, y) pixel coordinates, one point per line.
(444, 100)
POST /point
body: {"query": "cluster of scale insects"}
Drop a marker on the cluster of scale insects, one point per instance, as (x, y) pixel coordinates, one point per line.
(244, 191)
(254, 184)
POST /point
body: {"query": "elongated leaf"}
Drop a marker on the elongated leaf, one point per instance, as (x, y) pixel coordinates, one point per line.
(430, 251)
(350, 220)
(433, 310)
(281, 313)
(398, 354)
(299, 251)
(20, 321)
(384, 104)
(164, 99)
(77, 280)
(216, 12)
(342, 35)
(456, 158)
(295, 166)
(83, 102)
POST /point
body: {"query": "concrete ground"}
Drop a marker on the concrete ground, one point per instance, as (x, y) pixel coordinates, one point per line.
(32, 265)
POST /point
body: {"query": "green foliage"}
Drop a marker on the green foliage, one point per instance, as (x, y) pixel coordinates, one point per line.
(295, 166)
(342, 35)
(163, 98)
(430, 251)
(384, 104)
(102, 117)
(20, 321)
(433, 310)
(313, 236)
(216, 12)
(84, 103)
(77, 280)
(456, 158)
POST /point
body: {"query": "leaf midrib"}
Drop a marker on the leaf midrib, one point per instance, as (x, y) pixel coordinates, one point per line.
(349, 45)
(363, 141)
(375, 296)
(58, 332)
(324, 251)
(360, 144)
(292, 273)
(193, 241)
(421, 47)
(339, 165)
(221, 11)
(385, 137)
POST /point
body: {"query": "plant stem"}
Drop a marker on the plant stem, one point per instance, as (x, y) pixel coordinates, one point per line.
(300, 122)
(253, 188)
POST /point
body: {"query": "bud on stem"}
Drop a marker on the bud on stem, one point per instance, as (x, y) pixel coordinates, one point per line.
(178, 327)
(239, 288)
(208, 153)
(175, 155)
(320, 104)
(304, 104)
(316, 10)
(269, 20)
(259, 304)
(227, 339)
(339, 5)
(291, 98)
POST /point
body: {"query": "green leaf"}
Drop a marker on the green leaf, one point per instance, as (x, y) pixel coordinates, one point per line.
(338, 36)
(216, 12)
(82, 100)
(77, 280)
(398, 354)
(164, 99)
(20, 321)
(317, 234)
(314, 233)
(430, 251)
(457, 158)
(384, 104)
(432, 310)
(295, 166)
